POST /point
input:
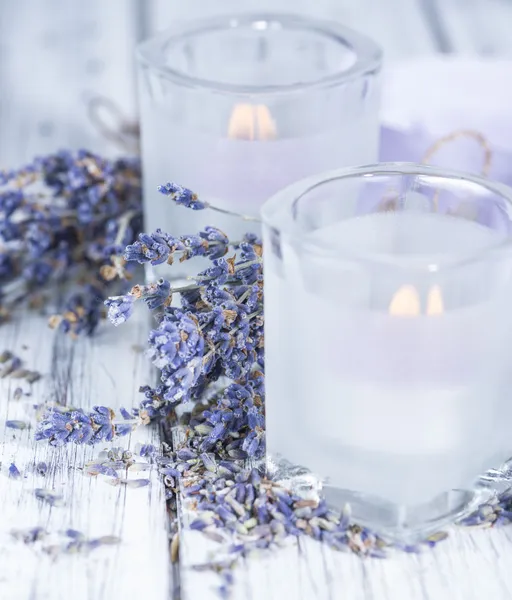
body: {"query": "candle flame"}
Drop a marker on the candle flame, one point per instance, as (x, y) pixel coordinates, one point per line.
(251, 122)
(406, 302)
(435, 305)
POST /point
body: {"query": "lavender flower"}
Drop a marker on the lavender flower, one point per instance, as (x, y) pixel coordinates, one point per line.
(66, 216)
(120, 308)
(14, 472)
(160, 247)
(83, 311)
(182, 196)
(60, 426)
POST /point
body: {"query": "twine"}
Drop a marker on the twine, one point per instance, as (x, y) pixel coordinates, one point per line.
(451, 137)
(389, 201)
(455, 135)
(124, 133)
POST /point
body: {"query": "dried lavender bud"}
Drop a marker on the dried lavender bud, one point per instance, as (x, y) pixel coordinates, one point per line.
(33, 376)
(29, 536)
(41, 468)
(49, 496)
(17, 425)
(120, 308)
(146, 450)
(182, 196)
(5, 355)
(135, 483)
(14, 472)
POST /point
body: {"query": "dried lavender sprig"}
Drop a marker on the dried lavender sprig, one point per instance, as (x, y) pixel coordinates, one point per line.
(160, 247)
(218, 331)
(63, 425)
(185, 197)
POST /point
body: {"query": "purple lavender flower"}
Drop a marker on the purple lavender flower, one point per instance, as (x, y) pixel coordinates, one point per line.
(154, 294)
(83, 311)
(160, 247)
(10, 200)
(120, 308)
(154, 248)
(176, 341)
(61, 216)
(14, 471)
(182, 196)
(217, 239)
(60, 426)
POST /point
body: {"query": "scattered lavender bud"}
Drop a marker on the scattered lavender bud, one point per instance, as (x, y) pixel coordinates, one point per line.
(14, 472)
(135, 483)
(186, 454)
(49, 496)
(41, 468)
(33, 376)
(209, 462)
(5, 355)
(29, 536)
(146, 450)
(20, 425)
(104, 540)
(74, 534)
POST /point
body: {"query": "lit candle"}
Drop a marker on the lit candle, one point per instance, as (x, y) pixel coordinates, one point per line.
(249, 122)
(387, 335)
(235, 108)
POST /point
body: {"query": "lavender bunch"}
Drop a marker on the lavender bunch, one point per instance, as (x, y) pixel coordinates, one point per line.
(66, 216)
(208, 332)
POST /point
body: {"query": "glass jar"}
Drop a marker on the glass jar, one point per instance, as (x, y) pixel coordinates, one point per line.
(236, 107)
(387, 331)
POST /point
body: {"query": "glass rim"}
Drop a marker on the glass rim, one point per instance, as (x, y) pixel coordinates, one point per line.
(286, 198)
(368, 54)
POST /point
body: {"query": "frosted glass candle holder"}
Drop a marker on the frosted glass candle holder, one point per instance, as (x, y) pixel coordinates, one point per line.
(388, 329)
(236, 107)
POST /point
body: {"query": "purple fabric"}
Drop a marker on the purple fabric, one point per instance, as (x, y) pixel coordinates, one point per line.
(463, 155)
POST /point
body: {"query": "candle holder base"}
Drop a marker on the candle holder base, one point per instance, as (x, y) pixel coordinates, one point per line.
(394, 523)
(401, 524)
(500, 479)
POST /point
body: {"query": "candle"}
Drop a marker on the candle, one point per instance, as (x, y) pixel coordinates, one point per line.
(386, 344)
(235, 108)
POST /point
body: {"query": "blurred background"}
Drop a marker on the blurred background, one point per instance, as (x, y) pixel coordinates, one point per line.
(56, 56)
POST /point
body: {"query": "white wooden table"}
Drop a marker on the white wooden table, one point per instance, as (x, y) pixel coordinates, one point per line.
(43, 108)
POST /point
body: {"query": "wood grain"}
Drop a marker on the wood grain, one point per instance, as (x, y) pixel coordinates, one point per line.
(102, 370)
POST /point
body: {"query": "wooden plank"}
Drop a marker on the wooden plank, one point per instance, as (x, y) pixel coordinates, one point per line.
(477, 27)
(406, 36)
(56, 56)
(469, 565)
(103, 370)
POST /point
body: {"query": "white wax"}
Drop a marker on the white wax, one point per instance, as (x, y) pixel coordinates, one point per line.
(233, 174)
(415, 236)
(429, 390)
